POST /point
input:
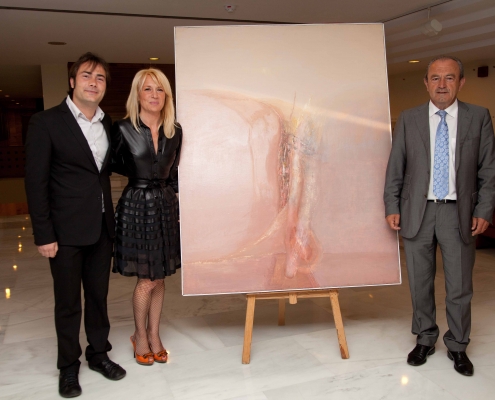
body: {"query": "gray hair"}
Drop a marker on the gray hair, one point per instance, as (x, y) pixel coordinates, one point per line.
(442, 57)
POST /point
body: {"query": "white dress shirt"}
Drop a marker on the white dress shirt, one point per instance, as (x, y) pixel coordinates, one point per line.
(451, 119)
(94, 132)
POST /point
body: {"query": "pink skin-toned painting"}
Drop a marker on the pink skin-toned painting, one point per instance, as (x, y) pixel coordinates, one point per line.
(286, 141)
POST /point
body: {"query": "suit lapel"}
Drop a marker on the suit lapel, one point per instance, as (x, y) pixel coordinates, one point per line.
(423, 122)
(76, 131)
(464, 117)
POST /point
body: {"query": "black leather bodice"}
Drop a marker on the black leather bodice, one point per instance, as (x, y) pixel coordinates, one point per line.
(134, 154)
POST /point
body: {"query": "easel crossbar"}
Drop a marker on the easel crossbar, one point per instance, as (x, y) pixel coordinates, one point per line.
(303, 294)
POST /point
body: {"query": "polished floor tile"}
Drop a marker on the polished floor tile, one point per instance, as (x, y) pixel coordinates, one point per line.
(389, 382)
(4, 319)
(204, 335)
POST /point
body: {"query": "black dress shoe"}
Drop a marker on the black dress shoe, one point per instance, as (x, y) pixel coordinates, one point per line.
(462, 364)
(109, 370)
(418, 355)
(68, 384)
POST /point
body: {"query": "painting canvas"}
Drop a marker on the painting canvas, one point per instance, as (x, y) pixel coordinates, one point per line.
(286, 141)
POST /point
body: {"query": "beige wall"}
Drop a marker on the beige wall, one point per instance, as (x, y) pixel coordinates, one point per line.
(54, 78)
(408, 90)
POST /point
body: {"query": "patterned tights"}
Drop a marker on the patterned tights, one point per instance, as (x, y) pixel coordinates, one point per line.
(147, 303)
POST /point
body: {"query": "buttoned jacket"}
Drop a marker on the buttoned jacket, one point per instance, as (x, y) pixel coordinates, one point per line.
(63, 184)
(409, 168)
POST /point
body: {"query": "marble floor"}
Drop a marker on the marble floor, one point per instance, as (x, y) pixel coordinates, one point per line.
(204, 335)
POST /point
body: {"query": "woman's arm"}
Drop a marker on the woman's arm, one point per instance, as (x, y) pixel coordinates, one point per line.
(173, 178)
(117, 161)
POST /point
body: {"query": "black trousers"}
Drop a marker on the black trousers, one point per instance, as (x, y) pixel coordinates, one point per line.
(91, 266)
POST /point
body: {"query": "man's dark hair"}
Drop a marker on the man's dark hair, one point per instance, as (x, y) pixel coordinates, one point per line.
(94, 61)
(442, 57)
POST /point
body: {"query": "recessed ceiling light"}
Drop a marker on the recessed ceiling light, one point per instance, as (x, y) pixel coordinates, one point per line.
(57, 43)
(154, 58)
(0, 90)
(16, 103)
(7, 95)
(413, 61)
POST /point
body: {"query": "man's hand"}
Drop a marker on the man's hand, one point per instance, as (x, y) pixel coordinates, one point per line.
(479, 225)
(393, 220)
(48, 250)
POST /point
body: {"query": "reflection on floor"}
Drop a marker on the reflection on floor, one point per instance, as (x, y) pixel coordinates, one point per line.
(204, 335)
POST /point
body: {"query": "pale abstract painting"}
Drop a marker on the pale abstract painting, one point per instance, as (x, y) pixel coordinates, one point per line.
(286, 141)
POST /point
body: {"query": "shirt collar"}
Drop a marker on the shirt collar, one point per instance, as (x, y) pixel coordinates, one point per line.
(143, 125)
(451, 110)
(99, 114)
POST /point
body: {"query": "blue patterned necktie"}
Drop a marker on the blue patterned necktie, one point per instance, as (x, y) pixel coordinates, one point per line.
(441, 160)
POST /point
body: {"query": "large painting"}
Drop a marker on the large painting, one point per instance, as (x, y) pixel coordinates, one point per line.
(286, 141)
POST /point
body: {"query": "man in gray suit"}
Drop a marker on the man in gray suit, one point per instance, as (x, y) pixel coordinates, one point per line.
(440, 189)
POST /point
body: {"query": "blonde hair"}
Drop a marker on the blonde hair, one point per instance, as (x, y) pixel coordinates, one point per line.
(167, 114)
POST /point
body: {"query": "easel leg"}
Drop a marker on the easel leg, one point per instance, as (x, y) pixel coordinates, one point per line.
(339, 326)
(248, 329)
(281, 312)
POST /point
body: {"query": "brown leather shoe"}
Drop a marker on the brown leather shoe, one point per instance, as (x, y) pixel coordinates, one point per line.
(419, 354)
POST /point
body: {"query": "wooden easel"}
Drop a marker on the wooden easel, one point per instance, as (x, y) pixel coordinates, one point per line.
(292, 296)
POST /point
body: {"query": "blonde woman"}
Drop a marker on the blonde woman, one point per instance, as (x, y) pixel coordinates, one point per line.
(146, 148)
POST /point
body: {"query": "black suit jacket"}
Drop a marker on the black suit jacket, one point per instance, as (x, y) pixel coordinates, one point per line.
(63, 184)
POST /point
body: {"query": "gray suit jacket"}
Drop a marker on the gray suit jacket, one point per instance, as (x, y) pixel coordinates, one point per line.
(408, 171)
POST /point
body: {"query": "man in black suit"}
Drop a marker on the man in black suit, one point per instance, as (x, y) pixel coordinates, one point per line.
(440, 190)
(69, 198)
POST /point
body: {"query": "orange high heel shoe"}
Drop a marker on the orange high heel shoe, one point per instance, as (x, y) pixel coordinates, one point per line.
(161, 356)
(146, 359)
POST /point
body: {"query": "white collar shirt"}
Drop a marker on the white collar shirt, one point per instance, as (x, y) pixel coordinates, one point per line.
(451, 119)
(94, 132)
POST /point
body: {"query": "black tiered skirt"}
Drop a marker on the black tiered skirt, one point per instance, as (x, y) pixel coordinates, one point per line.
(147, 241)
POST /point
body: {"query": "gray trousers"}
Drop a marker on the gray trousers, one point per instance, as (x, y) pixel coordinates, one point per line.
(440, 226)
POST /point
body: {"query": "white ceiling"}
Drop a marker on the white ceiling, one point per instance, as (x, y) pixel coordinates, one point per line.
(468, 27)
(468, 33)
